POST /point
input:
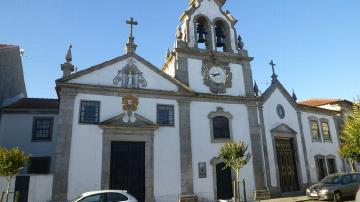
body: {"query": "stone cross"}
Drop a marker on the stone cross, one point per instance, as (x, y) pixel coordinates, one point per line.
(272, 66)
(131, 22)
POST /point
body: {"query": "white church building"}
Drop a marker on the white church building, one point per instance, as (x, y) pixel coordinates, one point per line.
(156, 132)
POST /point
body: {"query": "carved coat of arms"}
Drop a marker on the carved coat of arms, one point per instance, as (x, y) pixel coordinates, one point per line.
(130, 104)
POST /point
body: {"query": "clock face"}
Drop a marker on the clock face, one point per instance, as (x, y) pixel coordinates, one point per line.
(217, 74)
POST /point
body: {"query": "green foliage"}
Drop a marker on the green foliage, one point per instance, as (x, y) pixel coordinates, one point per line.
(235, 155)
(350, 138)
(12, 161)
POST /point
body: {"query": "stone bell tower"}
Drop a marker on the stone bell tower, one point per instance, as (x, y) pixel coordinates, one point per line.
(210, 58)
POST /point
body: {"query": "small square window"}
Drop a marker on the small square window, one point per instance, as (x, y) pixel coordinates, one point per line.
(89, 112)
(325, 131)
(165, 115)
(39, 165)
(42, 128)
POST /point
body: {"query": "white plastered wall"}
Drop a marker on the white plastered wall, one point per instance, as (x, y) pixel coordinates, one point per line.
(323, 148)
(272, 121)
(204, 151)
(196, 80)
(86, 148)
(105, 76)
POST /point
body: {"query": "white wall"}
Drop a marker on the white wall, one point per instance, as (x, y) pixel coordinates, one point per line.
(105, 76)
(272, 121)
(86, 148)
(203, 150)
(40, 187)
(324, 148)
(196, 80)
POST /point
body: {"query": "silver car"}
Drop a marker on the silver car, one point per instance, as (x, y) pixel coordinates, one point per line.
(358, 195)
(105, 196)
(335, 187)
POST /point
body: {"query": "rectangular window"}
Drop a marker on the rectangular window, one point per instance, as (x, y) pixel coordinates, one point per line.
(331, 166)
(39, 165)
(325, 131)
(165, 115)
(321, 168)
(42, 128)
(315, 133)
(89, 112)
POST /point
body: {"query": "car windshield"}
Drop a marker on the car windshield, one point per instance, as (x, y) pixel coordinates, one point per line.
(332, 179)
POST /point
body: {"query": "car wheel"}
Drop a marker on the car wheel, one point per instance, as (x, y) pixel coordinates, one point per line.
(337, 196)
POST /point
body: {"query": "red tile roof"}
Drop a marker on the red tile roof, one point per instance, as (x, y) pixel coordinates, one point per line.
(319, 102)
(35, 103)
(5, 45)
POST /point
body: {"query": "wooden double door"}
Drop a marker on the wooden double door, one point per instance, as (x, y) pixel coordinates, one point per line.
(127, 168)
(286, 165)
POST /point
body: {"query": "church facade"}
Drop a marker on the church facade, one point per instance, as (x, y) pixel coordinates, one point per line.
(126, 124)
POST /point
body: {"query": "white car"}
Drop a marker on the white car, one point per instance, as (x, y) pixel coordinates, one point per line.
(105, 196)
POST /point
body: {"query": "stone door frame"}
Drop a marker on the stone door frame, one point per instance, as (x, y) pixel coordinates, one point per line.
(287, 135)
(214, 161)
(129, 135)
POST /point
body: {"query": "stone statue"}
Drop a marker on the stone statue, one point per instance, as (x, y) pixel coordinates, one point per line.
(130, 80)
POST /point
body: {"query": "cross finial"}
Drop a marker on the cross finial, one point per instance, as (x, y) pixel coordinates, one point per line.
(274, 76)
(131, 22)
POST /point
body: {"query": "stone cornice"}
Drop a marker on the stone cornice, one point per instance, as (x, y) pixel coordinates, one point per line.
(176, 95)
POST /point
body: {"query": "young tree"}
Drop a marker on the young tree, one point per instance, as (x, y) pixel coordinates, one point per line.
(235, 156)
(11, 163)
(350, 137)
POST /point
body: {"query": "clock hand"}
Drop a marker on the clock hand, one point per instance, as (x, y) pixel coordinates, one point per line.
(214, 75)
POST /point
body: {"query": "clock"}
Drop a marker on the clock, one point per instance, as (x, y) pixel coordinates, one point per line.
(216, 75)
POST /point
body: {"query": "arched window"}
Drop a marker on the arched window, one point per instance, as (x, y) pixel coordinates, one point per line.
(221, 127)
(203, 32)
(222, 36)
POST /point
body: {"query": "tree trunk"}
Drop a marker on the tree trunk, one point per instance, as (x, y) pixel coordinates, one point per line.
(352, 165)
(237, 185)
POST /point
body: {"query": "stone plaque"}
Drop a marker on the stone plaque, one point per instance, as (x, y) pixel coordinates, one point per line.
(202, 169)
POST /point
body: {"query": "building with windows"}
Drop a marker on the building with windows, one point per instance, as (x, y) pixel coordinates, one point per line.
(156, 132)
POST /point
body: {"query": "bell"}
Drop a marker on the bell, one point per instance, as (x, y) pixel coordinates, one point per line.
(201, 33)
(219, 37)
(219, 42)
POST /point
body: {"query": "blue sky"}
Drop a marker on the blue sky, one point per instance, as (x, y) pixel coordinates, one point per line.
(315, 43)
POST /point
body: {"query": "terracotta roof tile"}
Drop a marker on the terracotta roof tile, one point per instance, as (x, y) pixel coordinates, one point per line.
(34, 103)
(318, 102)
(5, 45)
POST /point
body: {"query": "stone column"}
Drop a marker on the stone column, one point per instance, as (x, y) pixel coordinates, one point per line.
(264, 145)
(256, 142)
(62, 156)
(304, 148)
(187, 187)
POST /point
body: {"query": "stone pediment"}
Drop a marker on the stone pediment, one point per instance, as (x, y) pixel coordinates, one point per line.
(121, 121)
(283, 128)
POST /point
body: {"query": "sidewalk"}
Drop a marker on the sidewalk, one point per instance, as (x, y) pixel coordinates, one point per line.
(288, 199)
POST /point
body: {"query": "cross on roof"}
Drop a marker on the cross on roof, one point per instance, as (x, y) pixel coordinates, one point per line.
(131, 22)
(272, 66)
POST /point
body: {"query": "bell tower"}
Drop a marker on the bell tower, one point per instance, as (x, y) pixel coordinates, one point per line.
(208, 55)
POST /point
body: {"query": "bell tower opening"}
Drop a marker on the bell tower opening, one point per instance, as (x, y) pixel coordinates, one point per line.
(203, 32)
(222, 36)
